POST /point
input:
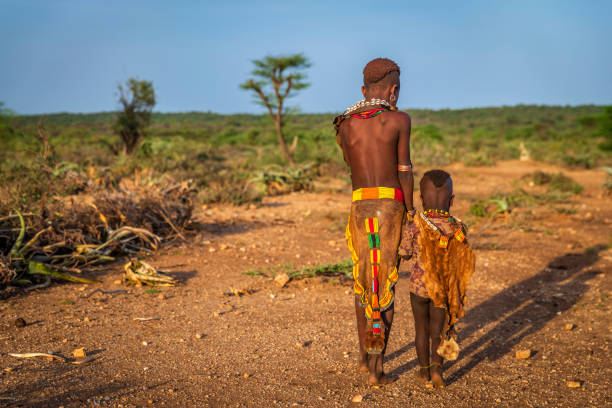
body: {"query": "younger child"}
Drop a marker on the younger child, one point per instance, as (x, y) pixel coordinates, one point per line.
(443, 264)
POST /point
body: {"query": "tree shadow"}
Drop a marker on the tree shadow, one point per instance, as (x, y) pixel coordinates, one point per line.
(519, 310)
(71, 385)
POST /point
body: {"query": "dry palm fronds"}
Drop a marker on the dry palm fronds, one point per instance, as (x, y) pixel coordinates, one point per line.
(6, 273)
(141, 273)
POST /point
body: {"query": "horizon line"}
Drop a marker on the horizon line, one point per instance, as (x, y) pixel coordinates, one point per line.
(13, 113)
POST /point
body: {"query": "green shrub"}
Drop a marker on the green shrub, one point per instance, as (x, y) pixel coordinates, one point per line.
(561, 182)
(478, 159)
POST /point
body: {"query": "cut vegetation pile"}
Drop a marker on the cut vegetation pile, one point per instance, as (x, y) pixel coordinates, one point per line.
(76, 234)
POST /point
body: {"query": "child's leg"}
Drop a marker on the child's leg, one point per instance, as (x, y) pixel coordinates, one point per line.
(420, 311)
(437, 315)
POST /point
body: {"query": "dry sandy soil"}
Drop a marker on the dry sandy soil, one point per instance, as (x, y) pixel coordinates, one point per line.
(538, 269)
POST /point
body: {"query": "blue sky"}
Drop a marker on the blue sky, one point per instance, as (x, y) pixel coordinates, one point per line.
(69, 55)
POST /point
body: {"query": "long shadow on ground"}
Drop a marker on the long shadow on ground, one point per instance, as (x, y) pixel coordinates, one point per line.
(520, 310)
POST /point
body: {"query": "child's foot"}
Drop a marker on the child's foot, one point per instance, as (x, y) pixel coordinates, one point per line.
(422, 375)
(436, 376)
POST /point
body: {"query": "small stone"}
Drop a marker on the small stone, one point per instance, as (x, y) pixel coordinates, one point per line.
(281, 279)
(246, 375)
(497, 399)
(569, 326)
(211, 249)
(298, 256)
(65, 341)
(216, 314)
(242, 249)
(8, 369)
(523, 354)
(117, 282)
(79, 353)
(161, 296)
(198, 336)
(332, 243)
(357, 398)
(144, 343)
(574, 384)
(20, 322)
(171, 390)
(223, 246)
(429, 385)
(149, 402)
(272, 296)
(85, 319)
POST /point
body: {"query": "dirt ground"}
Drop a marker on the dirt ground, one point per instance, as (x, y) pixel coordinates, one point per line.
(539, 269)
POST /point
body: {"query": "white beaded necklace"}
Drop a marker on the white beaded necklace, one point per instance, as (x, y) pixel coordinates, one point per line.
(363, 103)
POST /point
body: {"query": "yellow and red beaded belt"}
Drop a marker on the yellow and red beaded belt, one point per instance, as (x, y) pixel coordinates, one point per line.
(373, 193)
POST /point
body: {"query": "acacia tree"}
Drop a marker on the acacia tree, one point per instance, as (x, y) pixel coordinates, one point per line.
(278, 78)
(137, 99)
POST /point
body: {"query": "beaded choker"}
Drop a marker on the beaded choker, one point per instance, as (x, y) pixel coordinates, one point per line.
(368, 114)
(363, 103)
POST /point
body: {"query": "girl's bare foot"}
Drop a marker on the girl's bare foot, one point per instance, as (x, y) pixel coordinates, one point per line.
(436, 376)
(381, 380)
(422, 375)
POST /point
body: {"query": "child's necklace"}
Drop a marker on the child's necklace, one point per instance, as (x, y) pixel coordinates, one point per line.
(438, 213)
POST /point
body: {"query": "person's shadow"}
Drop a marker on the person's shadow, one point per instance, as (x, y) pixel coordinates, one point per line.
(519, 310)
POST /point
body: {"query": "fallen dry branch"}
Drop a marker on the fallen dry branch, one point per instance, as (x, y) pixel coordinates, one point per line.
(105, 292)
(51, 356)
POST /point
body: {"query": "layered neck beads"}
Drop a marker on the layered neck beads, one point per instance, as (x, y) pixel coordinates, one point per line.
(436, 213)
